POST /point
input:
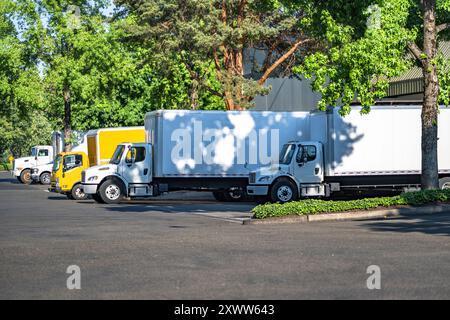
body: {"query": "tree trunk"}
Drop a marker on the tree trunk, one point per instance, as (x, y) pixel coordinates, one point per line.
(67, 120)
(430, 178)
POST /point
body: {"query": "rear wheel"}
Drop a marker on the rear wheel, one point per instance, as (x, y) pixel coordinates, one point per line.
(283, 191)
(44, 178)
(25, 176)
(78, 193)
(111, 191)
(234, 194)
(444, 183)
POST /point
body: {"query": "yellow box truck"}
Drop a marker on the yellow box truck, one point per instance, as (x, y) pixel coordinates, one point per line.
(101, 144)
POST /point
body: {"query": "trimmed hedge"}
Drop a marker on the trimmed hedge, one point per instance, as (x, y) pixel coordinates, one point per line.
(315, 206)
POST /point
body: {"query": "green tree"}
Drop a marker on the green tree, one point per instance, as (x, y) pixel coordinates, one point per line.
(22, 120)
(218, 33)
(365, 43)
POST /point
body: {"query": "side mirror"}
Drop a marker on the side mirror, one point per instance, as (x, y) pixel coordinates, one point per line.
(133, 156)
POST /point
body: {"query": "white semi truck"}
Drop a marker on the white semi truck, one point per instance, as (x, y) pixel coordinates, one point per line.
(378, 151)
(41, 173)
(41, 159)
(194, 150)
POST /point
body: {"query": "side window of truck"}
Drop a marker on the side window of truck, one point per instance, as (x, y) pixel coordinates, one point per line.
(72, 161)
(139, 154)
(43, 153)
(306, 153)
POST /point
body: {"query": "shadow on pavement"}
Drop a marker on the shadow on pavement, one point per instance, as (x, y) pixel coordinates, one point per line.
(185, 208)
(432, 224)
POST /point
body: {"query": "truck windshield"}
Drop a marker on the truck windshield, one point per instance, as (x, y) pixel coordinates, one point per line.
(56, 163)
(286, 153)
(117, 154)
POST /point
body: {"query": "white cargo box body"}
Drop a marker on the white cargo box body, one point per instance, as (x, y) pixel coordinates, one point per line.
(219, 143)
(387, 141)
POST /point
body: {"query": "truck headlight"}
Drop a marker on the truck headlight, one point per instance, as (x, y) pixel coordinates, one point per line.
(264, 178)
(93, 178)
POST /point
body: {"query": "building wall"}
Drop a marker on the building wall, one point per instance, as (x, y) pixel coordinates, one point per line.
(287, 94)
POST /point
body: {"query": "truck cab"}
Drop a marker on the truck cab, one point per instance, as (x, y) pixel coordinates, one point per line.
(22, 166)
(299, 172)
(129, 173)
(66, 174)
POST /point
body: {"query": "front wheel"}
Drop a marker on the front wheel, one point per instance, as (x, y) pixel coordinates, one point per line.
(78, 193)
(25, 176)
(283, 191)
(44, 178)
(111, 192)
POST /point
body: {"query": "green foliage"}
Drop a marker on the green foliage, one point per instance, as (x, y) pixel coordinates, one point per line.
(314, 206)
(17, 135)
(360, 55)
(214, 33)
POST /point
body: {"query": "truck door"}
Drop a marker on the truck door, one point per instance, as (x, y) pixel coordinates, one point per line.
(43, 156)
(136, 168)
(308, 164)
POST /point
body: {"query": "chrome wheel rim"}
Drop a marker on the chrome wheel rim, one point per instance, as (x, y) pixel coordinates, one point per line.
(112, 192)
(235, 193)
(27, 177)
(79, 193)
(284, 193)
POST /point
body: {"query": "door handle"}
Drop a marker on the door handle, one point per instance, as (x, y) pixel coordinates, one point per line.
(316, 170)
(145, 171)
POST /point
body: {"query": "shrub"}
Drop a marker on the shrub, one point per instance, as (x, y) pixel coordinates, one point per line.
(315, 206)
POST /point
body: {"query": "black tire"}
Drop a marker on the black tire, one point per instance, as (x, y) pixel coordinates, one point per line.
(234, 195)
(78, 193)
(18, 179)
(283, 191)
(44, 178)
(69, 196)
(444, 183)
(111, 191)
(219, 196)
(25, 176)
(97, 198)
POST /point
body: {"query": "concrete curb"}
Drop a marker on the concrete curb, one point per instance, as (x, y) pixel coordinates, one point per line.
(354, 215)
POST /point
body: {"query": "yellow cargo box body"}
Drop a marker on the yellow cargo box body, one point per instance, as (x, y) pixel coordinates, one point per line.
(101, 144)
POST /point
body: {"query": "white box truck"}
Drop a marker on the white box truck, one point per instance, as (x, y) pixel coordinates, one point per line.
(194, 150)
(377, 151)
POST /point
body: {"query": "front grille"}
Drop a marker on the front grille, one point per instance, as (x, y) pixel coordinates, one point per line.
(252, 177)
(83, 176)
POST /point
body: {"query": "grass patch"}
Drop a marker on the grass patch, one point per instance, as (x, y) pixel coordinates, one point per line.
(315, 206)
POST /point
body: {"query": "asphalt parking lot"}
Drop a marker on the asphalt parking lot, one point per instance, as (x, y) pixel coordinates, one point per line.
(196, 248)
